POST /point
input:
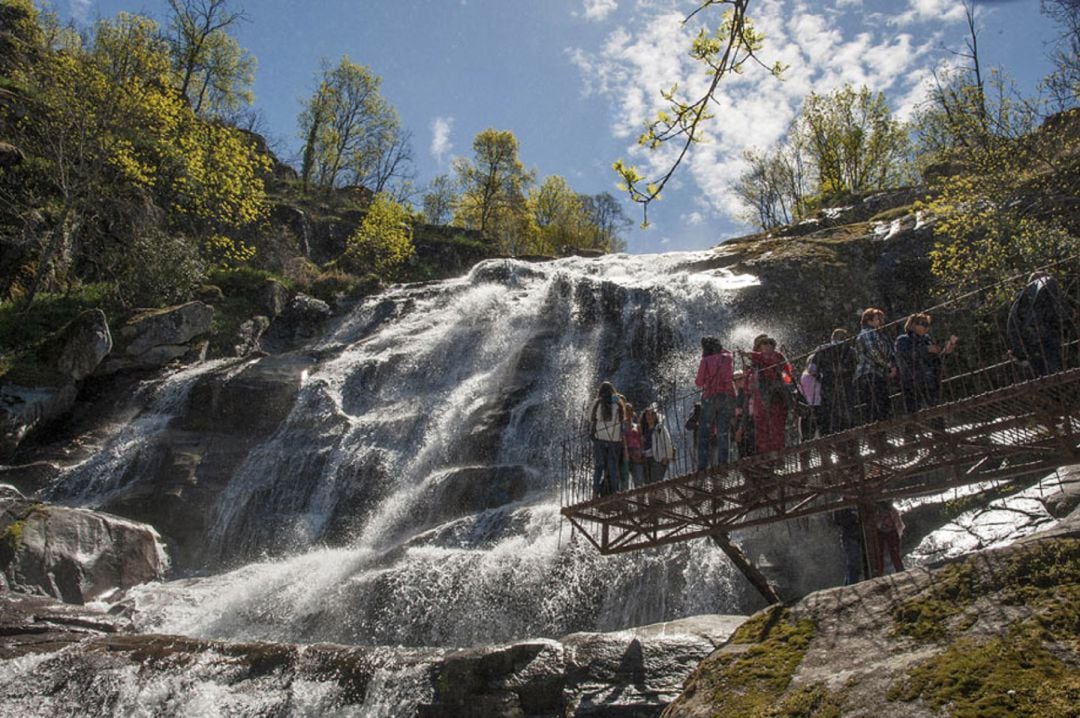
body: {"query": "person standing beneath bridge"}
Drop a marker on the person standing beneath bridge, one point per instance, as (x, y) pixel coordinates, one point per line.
(605, 429)
(918, 360)
(716, 379)
(890, 527)
(874, 366)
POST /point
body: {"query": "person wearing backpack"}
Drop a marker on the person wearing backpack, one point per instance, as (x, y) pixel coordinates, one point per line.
(1041, 326)
(605, 430)
(716, 379)
(770, 387)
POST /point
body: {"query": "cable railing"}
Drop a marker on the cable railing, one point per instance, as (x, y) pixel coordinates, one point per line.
(1018, 330)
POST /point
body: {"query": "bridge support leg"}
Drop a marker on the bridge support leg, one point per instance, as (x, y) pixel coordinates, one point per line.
(756, 577)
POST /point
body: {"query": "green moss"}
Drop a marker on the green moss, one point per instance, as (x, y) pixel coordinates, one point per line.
(751, 682)
(810, 702)
(1020, 674)
(1046, 578)
(13, 535)
(926, 616)
(23, 328)
(889, 215)
(997, 678)
(243, 281)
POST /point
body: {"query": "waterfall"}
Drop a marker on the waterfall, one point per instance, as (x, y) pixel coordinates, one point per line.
(411, 495)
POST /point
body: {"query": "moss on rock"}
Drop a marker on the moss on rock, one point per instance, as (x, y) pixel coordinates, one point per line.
(750, 676)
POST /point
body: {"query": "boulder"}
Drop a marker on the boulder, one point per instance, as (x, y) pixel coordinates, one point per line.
(75, 555)
(25, 409)
(301, 320)
(157, 337)
(169, 326)
(273, 297)
(248, 335)
(82, 345)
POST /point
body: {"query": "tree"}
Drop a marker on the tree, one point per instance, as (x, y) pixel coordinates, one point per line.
(116, 156)
(1003, 193)
(348, 128)
(493, 189)
(439, 200)
(1064, 81)
(383, 241)
(606, 221)
(853, 142)
(723, 52)
(560, 216)
(773, 189)
(215, 74)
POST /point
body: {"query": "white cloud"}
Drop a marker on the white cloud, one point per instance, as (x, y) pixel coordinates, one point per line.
(80, 11)
(441, 145)
(823, 48)
(600, 9)
(930, 11)
(694, 219)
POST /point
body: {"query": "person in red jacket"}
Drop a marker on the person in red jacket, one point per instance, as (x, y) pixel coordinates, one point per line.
(769, 386)
(715, 378)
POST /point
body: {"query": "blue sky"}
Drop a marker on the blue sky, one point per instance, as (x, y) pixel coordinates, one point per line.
(576, 79)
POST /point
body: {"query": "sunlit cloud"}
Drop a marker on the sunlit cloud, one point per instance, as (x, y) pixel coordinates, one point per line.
(600, 9)
(441, 145)
(824, 49)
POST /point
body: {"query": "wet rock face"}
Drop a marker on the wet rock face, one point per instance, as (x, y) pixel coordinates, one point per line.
(107, 669)
(183, 472)
(301, 320)
(23, 410)
(74, 555)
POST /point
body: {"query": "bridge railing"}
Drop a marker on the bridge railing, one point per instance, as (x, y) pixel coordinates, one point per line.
(1000, 341)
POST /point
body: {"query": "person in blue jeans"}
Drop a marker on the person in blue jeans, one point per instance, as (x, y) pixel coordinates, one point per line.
(716, 379)
(606, 431)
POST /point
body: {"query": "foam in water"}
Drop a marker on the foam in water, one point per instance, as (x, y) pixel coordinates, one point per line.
(431, 434)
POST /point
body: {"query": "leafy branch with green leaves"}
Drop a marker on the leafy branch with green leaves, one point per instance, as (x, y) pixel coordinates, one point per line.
(724, 51)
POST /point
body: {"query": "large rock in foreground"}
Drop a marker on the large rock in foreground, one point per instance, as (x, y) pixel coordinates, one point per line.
(104, 669)
(992, 634)
(74, 555)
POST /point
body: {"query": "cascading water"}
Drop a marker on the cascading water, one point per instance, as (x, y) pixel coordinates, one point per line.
(411, 496)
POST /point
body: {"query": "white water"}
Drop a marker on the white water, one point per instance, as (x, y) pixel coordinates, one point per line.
(369, 460)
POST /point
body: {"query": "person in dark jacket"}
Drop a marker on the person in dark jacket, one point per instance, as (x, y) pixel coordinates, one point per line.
(918, 360)
(1041, 325)
(834, 366)
(851, 541)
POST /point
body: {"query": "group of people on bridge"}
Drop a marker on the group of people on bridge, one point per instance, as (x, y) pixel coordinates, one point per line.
(763, 405)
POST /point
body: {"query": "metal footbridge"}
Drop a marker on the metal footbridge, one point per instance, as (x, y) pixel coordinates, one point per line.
(998, 422)
(1024, 430)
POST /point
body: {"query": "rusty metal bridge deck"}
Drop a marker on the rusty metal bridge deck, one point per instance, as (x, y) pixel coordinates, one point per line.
(1021, 430)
